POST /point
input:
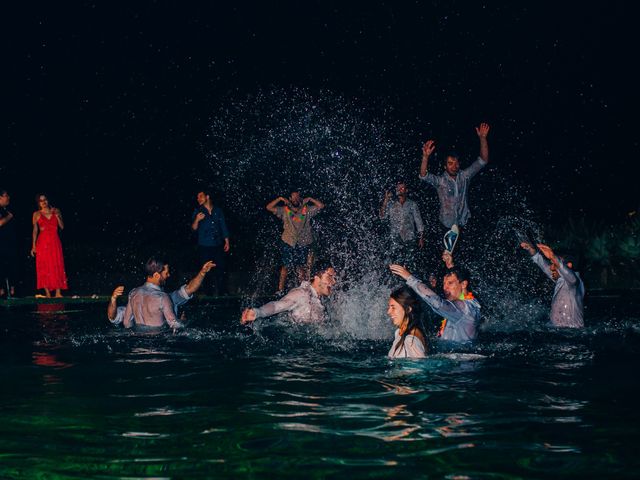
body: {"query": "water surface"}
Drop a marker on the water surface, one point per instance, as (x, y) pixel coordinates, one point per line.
(81, 399)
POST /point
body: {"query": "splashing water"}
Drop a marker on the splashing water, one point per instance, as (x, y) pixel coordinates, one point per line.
(346, 156)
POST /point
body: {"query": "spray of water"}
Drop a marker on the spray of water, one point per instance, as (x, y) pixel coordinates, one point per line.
(269, 144)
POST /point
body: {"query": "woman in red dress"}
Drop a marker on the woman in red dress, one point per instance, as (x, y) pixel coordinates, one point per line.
(47, 248)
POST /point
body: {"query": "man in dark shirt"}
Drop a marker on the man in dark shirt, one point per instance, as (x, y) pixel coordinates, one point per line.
(8, 248)
(213, 236)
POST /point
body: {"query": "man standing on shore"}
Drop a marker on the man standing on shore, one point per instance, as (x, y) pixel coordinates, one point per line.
(8, 248)
(213, 237)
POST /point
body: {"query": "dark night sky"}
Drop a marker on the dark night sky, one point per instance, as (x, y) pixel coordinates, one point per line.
(107, 104)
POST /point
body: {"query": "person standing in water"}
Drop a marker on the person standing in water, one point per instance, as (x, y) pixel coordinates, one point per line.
(47, 248)
(405, 224)
(461, 311)
(213, 237)
(304, 303)
(149, 307)
(453, 184)
(568, 294)
(8, 248)
(410, 338)
(178, 297)
(297, 234)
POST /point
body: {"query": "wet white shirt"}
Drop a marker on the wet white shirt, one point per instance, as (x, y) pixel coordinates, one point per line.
(568, 295)
(412, 348)
(156, 308)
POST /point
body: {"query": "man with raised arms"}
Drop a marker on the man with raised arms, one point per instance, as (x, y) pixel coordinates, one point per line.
(297, 234)
(460, 310)
(303, 304)
(149, 305)
(453, 184)
(568, 295)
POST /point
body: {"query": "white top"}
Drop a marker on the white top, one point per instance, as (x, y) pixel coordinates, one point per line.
(412, 348)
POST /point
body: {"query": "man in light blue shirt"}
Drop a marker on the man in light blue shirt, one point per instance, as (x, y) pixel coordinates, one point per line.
(453, 184)
(459, 309)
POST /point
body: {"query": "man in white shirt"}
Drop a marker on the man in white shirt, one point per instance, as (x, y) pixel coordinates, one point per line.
(303, 303)
(149, 306)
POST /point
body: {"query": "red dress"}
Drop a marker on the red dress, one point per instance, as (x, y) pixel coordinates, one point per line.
(50, 272)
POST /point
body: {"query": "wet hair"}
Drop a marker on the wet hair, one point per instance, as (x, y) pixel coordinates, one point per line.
(412, 307)
(460, 272)
(154, 265)
(319, 268)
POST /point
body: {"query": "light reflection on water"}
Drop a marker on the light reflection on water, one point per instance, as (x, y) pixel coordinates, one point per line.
(80, 397)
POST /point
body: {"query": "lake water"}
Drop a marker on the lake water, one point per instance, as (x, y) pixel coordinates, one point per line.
(81, 399)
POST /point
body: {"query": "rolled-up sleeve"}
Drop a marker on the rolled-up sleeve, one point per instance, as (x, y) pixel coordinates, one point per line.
(119, 316)
(179, 297)
(279, 212)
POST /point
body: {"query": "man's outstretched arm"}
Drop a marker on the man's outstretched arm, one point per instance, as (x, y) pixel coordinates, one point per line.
(195, 283)
(483, 130)
(285, 304)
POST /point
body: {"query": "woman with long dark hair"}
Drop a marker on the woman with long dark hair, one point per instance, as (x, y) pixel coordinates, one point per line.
(406, 314)
(46, 247)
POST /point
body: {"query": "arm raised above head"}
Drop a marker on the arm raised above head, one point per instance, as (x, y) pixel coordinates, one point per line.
(483, 130)
(427, 150)
(272, 205)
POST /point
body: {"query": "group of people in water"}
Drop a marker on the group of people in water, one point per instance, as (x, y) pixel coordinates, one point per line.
(456, 308)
